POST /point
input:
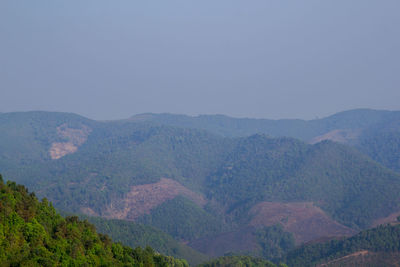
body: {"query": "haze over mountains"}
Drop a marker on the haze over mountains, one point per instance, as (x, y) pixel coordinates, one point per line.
(220, 184)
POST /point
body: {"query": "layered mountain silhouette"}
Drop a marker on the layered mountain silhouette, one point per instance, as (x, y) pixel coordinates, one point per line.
(214, 179)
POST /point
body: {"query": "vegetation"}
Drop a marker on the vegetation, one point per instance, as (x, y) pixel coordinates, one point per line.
(232, 173)
(377, 132)
(300, 129)
(382, 143)
(133, 234)
(239, 261)
(274, 241)
(384, 238)
(33, 234)
(183, 219)
(341, 179)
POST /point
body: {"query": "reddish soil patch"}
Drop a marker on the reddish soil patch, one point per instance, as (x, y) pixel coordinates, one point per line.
(239, 241)
(142, 198)
(340, 136)
(306, 221)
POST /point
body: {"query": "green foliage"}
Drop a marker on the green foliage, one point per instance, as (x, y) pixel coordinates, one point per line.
(378, 130)
(384, 238)
(239, 261)
(343, 181)
(382, 143)
(274, 241)
(234, 173)
(133, 234)
(33, 234)
(115, 156)
(183, 219)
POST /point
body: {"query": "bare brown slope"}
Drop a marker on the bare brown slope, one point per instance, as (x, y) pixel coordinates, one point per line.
(74, 138)
(306, 221)
(389, 219)
(142, 198)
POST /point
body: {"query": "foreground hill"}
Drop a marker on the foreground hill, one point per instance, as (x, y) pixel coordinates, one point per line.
(203, 189)
(33, 234)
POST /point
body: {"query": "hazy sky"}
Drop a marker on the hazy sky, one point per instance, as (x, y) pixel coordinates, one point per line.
(258, 58)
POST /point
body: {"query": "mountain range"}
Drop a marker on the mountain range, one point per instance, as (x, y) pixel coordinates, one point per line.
(221, 185)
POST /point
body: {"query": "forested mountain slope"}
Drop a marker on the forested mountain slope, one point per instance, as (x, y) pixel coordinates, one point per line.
(374, 247)
(348, 185)
(194, 184)
(33, 234)
(375, 132)
(302, 129)
(133, 235)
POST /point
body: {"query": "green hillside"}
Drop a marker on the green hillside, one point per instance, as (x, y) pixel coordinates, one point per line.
(134, 235)
(33, 234)
(206, 183)
(301, 129)
(238, 261)
(379, 247)
(115, 155)
(184, 220)
(341, 180)
(374, 132)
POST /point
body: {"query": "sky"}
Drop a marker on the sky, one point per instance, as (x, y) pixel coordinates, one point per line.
(261, 58)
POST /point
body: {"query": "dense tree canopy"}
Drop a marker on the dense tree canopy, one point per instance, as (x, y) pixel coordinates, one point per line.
(32, 233)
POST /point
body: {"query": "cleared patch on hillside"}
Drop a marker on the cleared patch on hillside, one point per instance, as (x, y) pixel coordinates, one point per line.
(142, 198)
(389, 219)
(306, 221)
(240, 241)
(339, 136)
(74, 137)
(366, 258)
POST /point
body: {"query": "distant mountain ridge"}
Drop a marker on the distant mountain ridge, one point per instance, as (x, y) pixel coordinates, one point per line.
(369, 130)
(96, 167)
(297, 128)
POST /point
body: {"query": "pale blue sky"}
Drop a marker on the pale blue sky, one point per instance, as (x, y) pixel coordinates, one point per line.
(266, 59)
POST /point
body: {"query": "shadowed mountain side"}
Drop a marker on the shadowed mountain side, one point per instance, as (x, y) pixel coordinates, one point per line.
(184, 219)
(240, 241)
